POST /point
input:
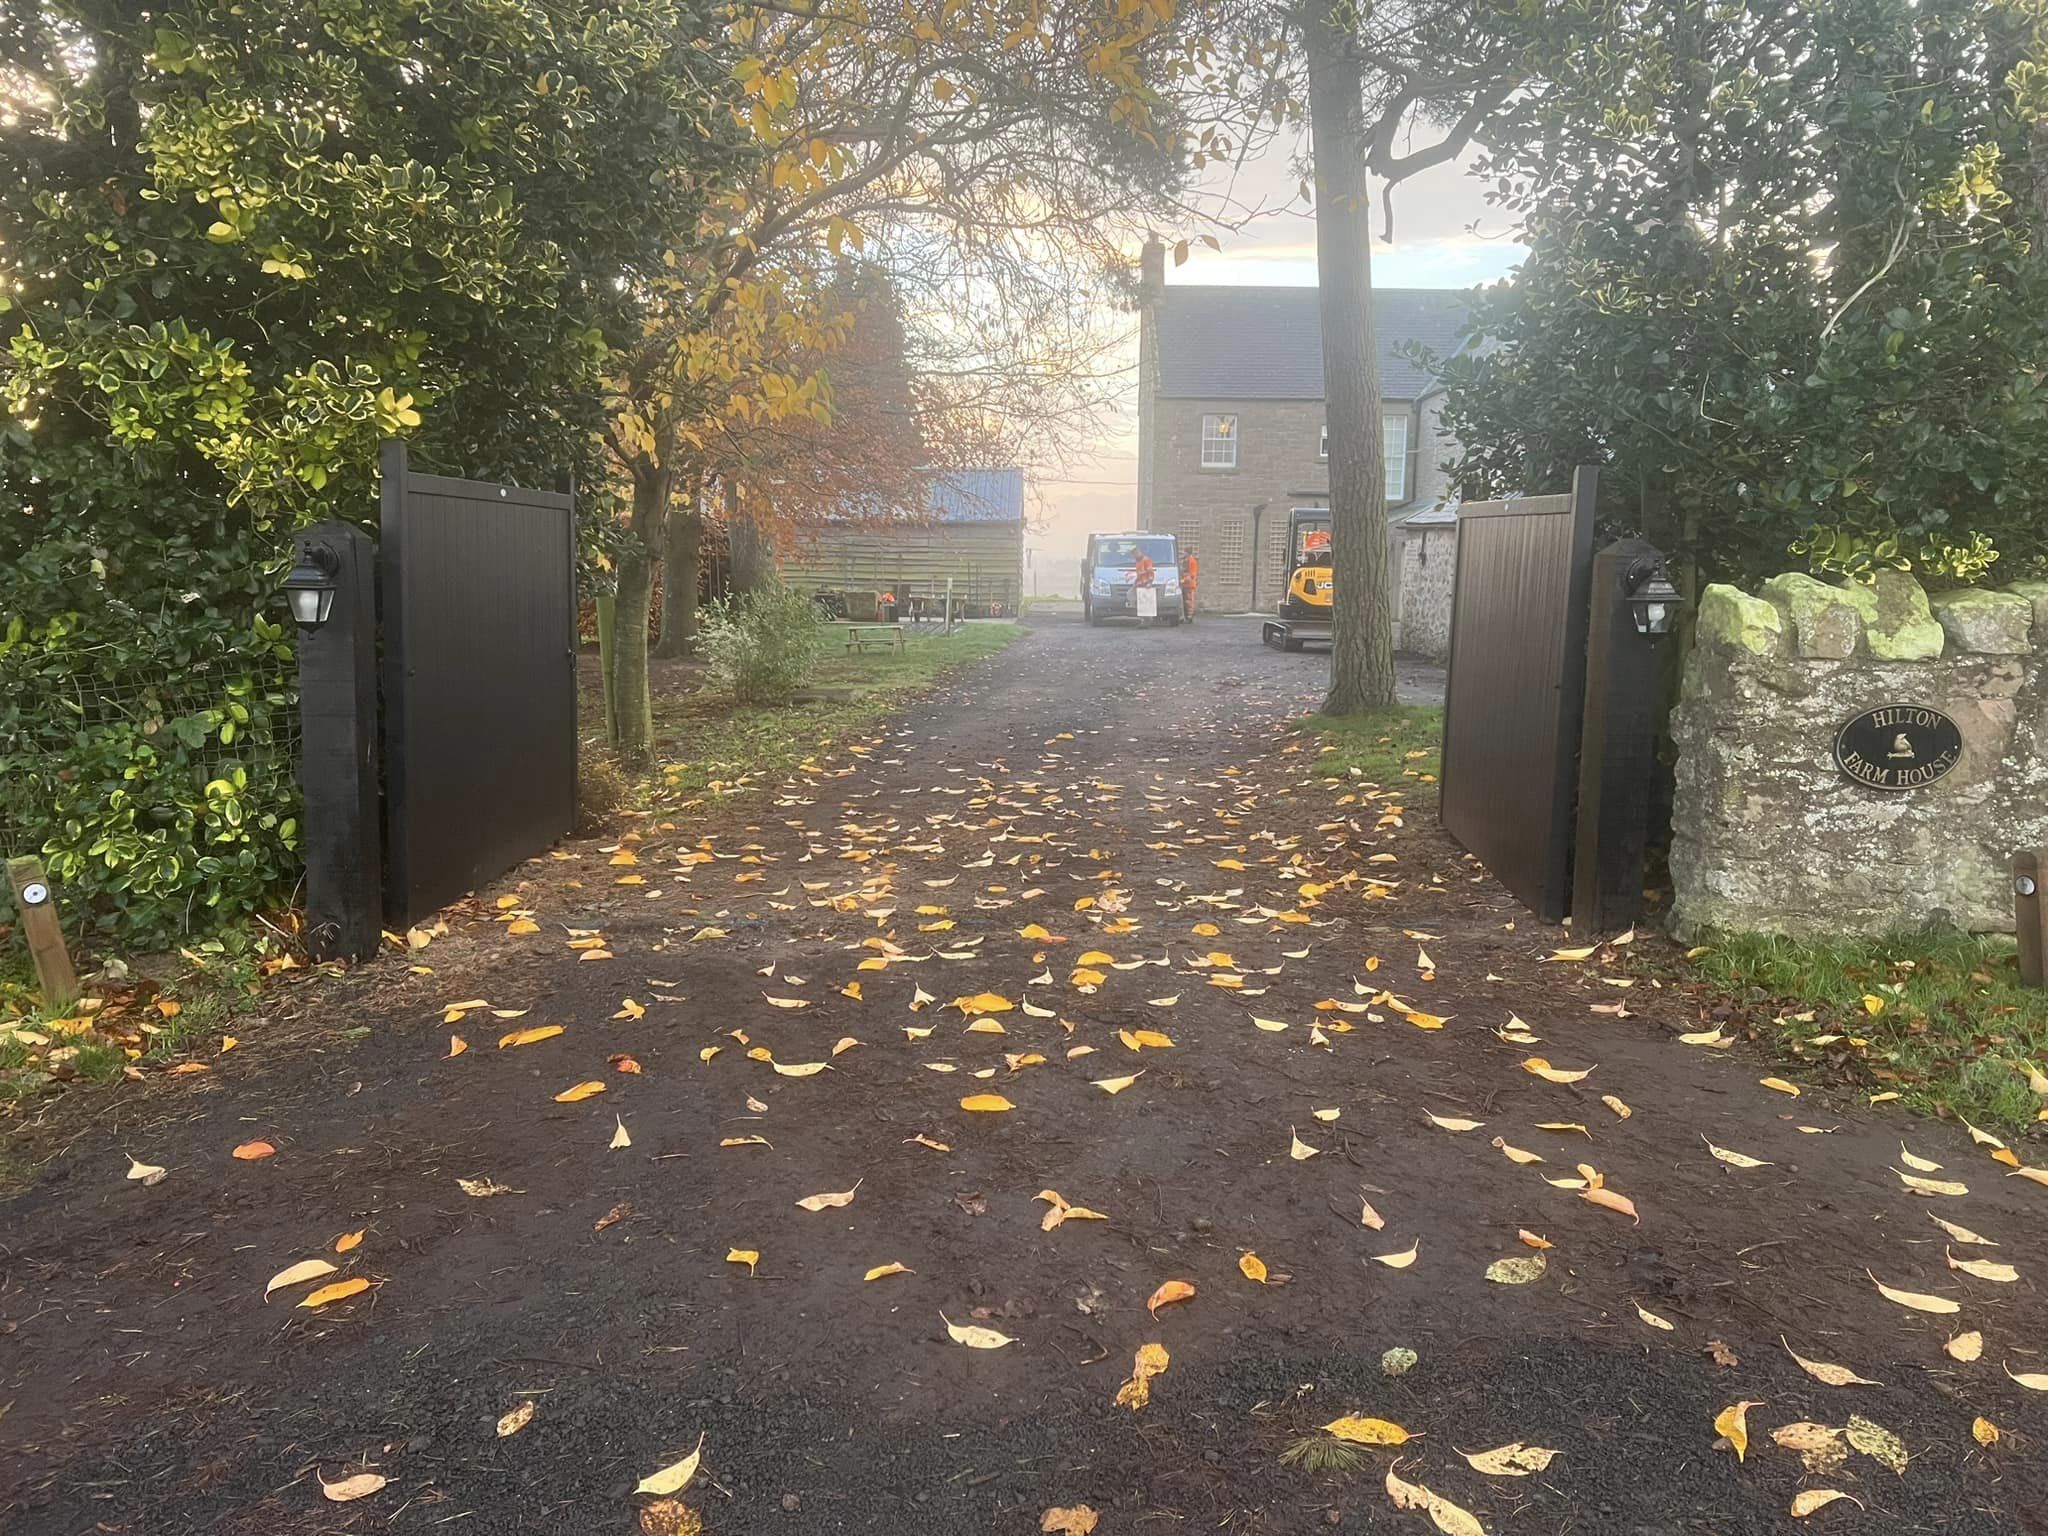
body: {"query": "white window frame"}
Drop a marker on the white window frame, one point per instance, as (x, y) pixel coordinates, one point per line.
(1323, 445)
(1394, 450)
(1219, 442)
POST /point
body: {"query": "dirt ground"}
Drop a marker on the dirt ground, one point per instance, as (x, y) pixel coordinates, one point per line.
(148, 1386)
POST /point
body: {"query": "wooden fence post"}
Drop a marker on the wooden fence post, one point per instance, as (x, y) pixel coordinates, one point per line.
(44, 932)
(1617, 749)
(2031, 912)
(338, 753)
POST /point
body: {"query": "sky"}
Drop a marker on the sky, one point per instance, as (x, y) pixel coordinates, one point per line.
(1445, 236)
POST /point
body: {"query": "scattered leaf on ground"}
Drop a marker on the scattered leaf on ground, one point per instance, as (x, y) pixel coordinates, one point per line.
(360, 1486)
(975, 1338)
(1073, 1520)
(1134, 1394)
(341, 1290)
(1918, 1301)
(1361, 1431)
(1813, 1499)
(1876, 1442)
(1732, 1424)
(297, 1274)
(830, 1202)
(673, 1478)
(1516, 1460)
(1833, 1375)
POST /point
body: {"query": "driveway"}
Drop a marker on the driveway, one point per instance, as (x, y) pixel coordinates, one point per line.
(1295, 1049)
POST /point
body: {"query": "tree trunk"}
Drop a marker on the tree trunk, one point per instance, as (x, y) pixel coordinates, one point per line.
(1362, 647)
(634, 703)
(681, 558)
(753, 555)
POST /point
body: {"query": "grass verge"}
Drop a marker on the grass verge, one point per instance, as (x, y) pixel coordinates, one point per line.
(1940, 1019)
(175, 1009)
(717, 748)
(1396, 748)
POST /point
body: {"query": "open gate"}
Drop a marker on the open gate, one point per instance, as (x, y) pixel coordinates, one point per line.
(477, 583)
(1513, 704)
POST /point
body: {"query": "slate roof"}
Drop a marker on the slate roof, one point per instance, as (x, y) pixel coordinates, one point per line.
(1231, 343)
(994, 495)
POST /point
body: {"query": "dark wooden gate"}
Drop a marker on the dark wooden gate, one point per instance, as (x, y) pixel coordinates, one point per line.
(1513, 703)
(477, 584)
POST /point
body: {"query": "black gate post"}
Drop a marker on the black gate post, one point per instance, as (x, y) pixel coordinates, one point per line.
(1617, 748)
(338, 750)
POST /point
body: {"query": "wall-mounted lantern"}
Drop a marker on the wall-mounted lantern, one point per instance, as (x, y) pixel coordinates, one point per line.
(1652, 599)
(310, 585)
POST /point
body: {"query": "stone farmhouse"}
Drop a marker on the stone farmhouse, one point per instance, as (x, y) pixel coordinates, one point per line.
(1231, 437)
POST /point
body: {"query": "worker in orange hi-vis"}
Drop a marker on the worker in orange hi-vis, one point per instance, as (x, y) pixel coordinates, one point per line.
(1142, 571)
(1190, 578)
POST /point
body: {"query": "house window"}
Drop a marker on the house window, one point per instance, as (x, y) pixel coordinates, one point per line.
(1323, 447)
(1219, 442)
(1394, 444)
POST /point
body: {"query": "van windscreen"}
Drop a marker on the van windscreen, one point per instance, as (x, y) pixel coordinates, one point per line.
(1122, 554)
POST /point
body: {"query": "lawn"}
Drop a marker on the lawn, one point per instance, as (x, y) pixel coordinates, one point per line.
(711, 746)
(1394, 748)
(1939, 1019)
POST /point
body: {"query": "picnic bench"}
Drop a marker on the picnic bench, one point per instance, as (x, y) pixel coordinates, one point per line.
(860, 636)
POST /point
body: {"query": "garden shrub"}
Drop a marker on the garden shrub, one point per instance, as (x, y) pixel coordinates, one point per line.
(760, 646)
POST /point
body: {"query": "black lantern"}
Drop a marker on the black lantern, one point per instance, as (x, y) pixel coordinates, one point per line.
(1652, 598)
(310, 586)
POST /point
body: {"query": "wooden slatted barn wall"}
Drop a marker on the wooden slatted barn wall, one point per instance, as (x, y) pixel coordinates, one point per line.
(984, 560)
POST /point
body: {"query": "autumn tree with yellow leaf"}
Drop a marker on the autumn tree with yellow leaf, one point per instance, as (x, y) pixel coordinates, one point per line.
(988, 159)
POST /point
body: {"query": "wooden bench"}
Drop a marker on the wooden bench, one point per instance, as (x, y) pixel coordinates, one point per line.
(860, 636)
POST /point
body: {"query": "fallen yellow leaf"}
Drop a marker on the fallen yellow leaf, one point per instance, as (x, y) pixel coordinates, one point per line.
(1516, 1460)
(580, 1092)
(297, 1274)
(1150, 1360)
(986, 1103)
(1732, 1423)
(529, 1036)
(1169, 1292)
(363, 1484)
(1362, 1431)
(975, 1338)
(341, 1290)
(1914, 1299)
(673, 1478)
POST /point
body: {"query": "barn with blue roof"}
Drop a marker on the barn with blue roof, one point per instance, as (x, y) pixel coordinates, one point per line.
(971, 532)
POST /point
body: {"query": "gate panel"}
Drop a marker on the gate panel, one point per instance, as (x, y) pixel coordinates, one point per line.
(477, 583)
(1512, 706)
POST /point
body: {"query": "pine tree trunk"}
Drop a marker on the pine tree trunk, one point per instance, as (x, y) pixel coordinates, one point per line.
(753, 555)
(1362, 648)
(681, 558)
(634, 703)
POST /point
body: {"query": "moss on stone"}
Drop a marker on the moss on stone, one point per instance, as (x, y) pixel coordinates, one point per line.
(1731, 619)
(1822, 620)
(1986, 623)
(1897, 623)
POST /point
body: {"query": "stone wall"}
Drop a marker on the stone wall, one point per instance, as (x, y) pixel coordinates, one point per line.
(1429, 562)
(1769, 834)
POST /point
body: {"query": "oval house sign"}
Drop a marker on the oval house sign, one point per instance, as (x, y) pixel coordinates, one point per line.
(1899, 746)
